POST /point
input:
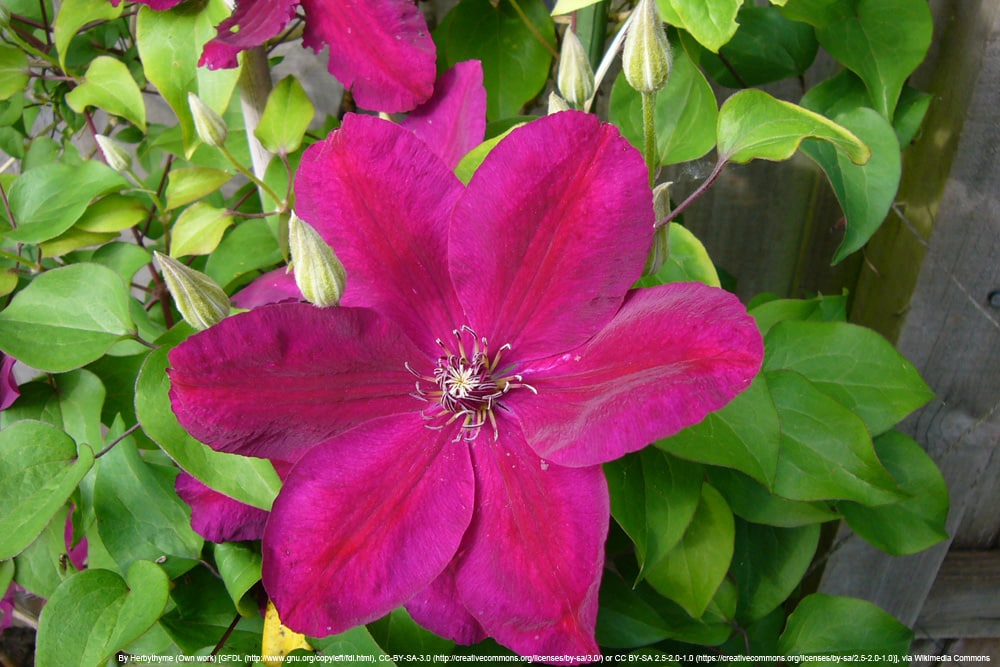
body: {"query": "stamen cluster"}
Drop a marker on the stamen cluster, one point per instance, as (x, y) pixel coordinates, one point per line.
(467, 385)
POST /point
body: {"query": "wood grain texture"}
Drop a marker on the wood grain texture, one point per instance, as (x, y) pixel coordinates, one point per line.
(943, 320)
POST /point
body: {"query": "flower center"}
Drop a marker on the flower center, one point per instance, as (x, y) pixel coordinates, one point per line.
(467, 384)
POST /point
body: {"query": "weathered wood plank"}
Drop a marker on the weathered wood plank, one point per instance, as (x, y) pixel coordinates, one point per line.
(965, 598)
(944, 323)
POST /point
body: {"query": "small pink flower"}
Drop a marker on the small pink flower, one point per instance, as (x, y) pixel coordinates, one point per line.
(446, 424)
(379, 49)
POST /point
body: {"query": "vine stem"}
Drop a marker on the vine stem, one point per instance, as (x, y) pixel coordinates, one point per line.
(706, 184)
(649, 133)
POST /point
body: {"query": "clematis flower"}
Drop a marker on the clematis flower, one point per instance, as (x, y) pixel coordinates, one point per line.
(379, 49)
(446, 424)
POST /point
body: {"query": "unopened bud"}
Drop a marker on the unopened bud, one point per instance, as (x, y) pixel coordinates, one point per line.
(556, 103)
(200, 300)
(209, 125)
(660, 251)
(646, 60)
(318, 273)
(576, 76)
(115, 154)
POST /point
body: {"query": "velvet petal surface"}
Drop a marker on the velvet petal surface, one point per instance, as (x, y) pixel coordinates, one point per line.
(553, 229)
(439, 608)
(672, 354)
(276, 380)
(382, 199)
(252, 23)
(380, 49)
(453, 121)
(366, 521)
(274, 286)
(531, 562)
(218, 517)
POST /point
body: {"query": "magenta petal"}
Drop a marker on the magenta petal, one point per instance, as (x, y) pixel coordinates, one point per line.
(278, 379)
(251, 24)
(671, 355)
(439, 608)
(382, 199)
(218, 517)
(552, 231)
(275, 286)
(380, 49)
(365, 522)
(530, 567)
(453, 121)
(9, 391)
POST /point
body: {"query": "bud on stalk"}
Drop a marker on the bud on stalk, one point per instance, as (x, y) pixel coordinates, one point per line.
(646, 60)
(318, 273)
(575, 77)
(200, 300)
(210, 126)
(115, 154)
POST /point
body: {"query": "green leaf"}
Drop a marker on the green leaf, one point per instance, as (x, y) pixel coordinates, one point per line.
(882, 41)
(79, 311)
(514, 42)
(240, 568)
(826, 451)
(286, 117)
(112, 213)
(192, 183)
(831, 625)
(69, 401)
(397, 633)
(95, 613)
(202, 613)
(355, 642)
(818, 309)
(865, 192)
(40, 568)
(472, 160)
(249, 480)
(139, 516)
(108, 85)
(685, 113)
(250, 246)
(198, 230)
(688, 261)
(753, 125)
(851, 364)
(711, 23)
(125, 259)
(911, 525)
(768, 565)
(767, 47)
(910, 112)
(744, 435)
(40, 467)
(13, 71)
(46, 200)
(692, 572)
(73, 15)
(170, 44)
(653, 498)
(752, 501)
